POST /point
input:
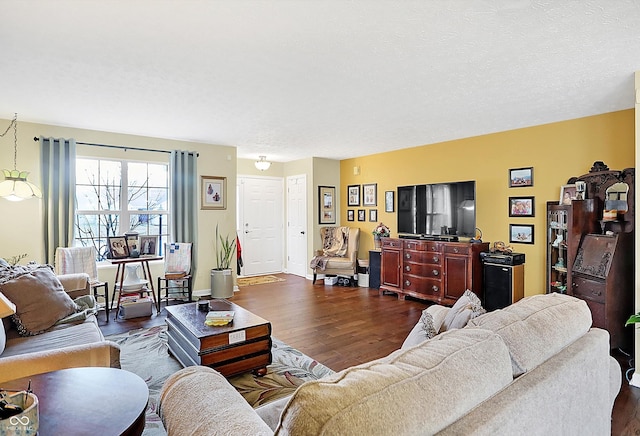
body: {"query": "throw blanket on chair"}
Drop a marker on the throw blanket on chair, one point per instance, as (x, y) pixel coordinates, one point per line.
(334, 244)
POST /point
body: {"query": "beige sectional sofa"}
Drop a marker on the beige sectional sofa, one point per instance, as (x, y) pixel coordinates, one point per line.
(71, 344)
(536, 367)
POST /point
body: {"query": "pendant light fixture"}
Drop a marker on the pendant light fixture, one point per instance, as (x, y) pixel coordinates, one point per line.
(263, 164)
(15, 186)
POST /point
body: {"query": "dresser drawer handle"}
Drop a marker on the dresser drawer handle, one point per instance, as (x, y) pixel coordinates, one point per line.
(455, 250)
(407, 283)
(435, 272)
(597, 293)
(436, 259)
(435, 288)
(407, 268)
(407, 255)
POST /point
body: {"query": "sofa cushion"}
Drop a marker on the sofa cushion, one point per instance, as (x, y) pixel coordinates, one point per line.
(391, 395)
(60, 336)
(340, 263)
(39, 297)
(535, 328)
(468, 306)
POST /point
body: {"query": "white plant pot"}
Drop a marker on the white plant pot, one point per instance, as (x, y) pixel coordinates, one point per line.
(221, 283)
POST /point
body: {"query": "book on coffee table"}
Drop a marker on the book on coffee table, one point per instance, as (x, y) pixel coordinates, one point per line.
(219, 317)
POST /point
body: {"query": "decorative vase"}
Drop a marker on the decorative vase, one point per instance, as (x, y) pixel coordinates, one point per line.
(377, 241)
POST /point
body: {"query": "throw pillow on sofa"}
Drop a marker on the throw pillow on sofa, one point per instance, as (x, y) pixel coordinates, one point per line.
(431, 319)
(467, 307)
(38, 295)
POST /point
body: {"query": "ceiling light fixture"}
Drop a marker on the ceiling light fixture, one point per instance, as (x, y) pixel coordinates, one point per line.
(263, 164)
(15, 186)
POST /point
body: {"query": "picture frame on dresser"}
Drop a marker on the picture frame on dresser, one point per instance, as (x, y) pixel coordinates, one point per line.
(567, 194)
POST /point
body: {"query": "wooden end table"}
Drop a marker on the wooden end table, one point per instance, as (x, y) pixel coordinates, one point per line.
(104, 401)
(146, 271)
(241, 346)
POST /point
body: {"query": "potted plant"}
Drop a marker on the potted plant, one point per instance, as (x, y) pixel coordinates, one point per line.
(221, 275)
(381, 231)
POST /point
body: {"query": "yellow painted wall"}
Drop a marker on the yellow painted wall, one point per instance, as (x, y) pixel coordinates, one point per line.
(556, 152)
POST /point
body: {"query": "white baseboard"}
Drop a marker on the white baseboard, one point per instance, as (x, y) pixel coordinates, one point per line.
(635, 380)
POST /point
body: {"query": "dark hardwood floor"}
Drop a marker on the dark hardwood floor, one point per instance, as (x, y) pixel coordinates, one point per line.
(345, 326)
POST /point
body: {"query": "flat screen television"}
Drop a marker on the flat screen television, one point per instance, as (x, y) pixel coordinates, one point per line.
(437, 209)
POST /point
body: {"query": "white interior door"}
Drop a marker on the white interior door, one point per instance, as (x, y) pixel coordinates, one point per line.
(297, 225)
(261, 224)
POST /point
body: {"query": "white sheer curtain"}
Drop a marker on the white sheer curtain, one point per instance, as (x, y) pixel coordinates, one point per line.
(58, 157)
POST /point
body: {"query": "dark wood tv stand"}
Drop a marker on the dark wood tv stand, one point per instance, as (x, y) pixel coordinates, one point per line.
(438, 271)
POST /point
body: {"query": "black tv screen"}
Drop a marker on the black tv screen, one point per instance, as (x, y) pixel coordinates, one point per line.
(437, 209)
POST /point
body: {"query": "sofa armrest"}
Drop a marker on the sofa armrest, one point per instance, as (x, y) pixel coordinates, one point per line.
(225, 412)
(102, 354)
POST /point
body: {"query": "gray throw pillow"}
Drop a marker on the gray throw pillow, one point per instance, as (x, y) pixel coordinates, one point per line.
(39, 297)
(467, 307)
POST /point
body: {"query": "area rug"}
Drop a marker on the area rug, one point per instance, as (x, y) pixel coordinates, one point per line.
(258, 280)
(144, 352)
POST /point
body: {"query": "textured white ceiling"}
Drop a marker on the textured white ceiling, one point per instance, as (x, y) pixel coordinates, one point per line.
(332, 78)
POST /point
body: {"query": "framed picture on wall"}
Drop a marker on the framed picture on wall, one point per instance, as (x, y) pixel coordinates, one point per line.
(327, 206)
(351, 215)
(353, 195)
(521, 233)
(522, 206)
(520, 177)
(373, 215)
(370, 194)
(361, 215)
(389, 201)
(214, 192)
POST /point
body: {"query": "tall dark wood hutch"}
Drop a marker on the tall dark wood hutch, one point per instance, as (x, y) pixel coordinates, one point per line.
(596, 250)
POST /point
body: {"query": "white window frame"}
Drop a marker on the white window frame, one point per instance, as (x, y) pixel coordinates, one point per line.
(123, 213)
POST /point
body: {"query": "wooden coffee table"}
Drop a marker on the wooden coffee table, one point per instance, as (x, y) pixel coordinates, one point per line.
(104, 401)
(241, 346)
